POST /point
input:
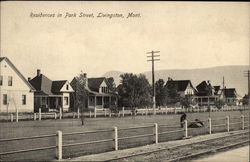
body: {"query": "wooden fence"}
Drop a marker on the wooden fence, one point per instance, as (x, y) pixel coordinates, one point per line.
(227, 124)
(11, 117)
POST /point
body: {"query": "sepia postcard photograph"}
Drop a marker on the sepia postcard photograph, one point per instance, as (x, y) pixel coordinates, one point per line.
(124, 81)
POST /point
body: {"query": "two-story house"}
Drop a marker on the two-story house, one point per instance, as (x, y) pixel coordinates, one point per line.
(207, 94)
(50, 95)
(15, 91)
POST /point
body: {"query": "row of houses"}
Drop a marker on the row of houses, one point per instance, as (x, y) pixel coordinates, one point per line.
(28, 95)
(204, 94)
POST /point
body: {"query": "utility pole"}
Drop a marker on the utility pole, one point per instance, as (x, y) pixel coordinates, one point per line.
(152, 59)
(247, 74)
(223, 89)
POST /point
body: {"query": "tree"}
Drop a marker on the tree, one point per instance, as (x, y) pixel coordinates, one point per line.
(172, 94)
(134, 91)
(160, 93)
(112, 85)
(80, 94)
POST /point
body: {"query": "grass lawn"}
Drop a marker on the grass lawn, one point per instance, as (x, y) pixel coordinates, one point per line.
(34, 128)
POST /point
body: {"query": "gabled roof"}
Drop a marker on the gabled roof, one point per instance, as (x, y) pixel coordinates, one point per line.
(94, 83)
(204, 89)
(181, 85)
(216, 89)
(18, 72)
(230, 92)
(57, 85)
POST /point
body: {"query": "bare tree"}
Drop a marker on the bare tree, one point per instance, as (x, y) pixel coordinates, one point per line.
(80, 94)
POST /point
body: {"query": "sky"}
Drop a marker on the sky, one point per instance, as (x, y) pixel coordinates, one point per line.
(188, 35)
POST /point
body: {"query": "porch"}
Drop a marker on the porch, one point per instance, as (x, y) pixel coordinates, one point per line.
(206, 100)
(48, 102)
(101, 101)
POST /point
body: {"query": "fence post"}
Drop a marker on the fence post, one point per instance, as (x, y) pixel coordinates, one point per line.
(156, 133)
(78, 113)
(166, 109)
(228, 126)
(59, 145)
(11, 117)
(122, 111)
(186, 128)
(243, 123)
(116, 138)
(90, 113)
(34, 116)
(95, 112)
(210, 125)
(55, 115)
(110, 113)
(40, 114)
(60, 113)
(175, 110)
(17, 115)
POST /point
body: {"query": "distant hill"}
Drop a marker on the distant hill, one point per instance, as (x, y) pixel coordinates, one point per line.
(233, 75)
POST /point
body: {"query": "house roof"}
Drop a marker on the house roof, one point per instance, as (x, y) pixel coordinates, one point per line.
(18, 72)
(216, 89)
(180, 84)
(230, 92)
(45, 86)
(57, 85)
(94, 83)
(93, 86)
(204, 89)
(42, 83)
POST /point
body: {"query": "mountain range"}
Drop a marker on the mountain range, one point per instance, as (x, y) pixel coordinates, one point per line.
(233, 76)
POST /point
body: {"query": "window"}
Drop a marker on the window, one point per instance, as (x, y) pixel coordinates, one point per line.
(1, 80)
(9, 80)
(5, 99)
(67, 87)
(66, 100)
(24, 99)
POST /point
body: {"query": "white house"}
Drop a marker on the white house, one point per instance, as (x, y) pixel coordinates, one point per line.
(15, 91)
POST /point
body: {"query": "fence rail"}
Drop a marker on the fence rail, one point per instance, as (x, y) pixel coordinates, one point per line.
(116, 139)
(107, 113)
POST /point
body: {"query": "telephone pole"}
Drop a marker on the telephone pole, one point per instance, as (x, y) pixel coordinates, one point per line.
(153, 58)
(247, 74)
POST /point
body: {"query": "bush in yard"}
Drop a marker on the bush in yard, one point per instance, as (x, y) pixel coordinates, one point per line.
(219, 104)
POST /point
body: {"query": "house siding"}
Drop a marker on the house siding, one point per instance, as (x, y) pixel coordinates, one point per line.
(14, 92)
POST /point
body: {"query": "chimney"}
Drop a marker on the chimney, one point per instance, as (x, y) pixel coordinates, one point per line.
(38, 72)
